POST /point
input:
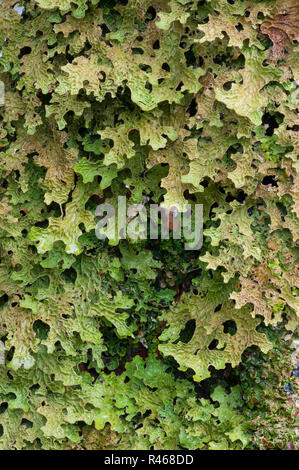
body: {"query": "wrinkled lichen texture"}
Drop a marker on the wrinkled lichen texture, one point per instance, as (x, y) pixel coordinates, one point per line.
(139, 344)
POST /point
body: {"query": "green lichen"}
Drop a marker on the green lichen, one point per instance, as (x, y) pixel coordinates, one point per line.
(141, 344)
